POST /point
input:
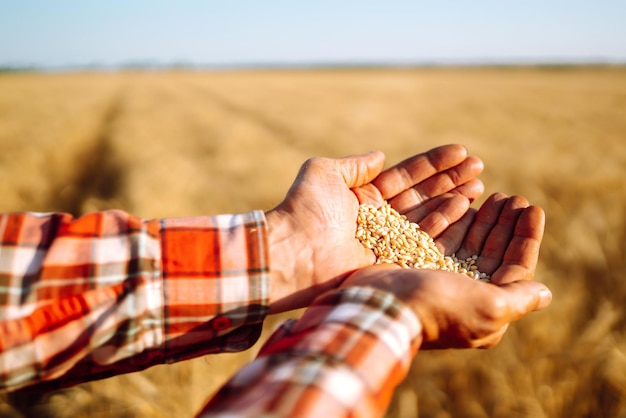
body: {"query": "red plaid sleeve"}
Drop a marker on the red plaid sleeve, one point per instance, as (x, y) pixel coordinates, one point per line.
(343, 358)
(109, 293)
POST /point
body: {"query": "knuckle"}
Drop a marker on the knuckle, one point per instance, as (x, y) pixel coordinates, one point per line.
(315, 164)
(495, 314)
(313, 161)
(455, 177)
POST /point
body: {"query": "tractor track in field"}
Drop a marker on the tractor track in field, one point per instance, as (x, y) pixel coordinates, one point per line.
(97, 174)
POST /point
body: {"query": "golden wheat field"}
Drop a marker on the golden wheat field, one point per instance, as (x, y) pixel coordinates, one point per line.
(180, 143)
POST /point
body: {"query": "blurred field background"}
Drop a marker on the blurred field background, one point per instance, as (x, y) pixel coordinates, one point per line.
(180, 143)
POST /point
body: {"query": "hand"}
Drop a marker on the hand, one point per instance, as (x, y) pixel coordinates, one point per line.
(456, 311)
(505, 233)
(311, 233)
(432, 189)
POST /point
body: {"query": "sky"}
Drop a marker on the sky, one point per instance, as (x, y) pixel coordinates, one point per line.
(62, 33)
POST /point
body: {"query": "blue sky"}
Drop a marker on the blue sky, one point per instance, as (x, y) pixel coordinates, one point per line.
(61, 33)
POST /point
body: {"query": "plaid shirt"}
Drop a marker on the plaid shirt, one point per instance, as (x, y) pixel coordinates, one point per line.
(109, 293)
(343, 358)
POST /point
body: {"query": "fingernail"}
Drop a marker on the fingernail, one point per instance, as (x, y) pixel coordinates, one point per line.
(545, 297)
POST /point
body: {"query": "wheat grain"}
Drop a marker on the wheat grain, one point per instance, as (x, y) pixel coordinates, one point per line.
(395, 239)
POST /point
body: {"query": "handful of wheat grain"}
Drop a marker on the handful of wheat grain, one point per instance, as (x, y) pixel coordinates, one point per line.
(395, 239)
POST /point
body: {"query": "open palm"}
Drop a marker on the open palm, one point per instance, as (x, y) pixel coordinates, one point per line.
(505, 233)
(436, 186)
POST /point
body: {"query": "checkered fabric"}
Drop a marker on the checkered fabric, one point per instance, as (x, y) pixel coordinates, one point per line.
(343, 358)
(109, 293)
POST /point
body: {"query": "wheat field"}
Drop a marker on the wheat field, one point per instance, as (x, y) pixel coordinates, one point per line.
(181, 143)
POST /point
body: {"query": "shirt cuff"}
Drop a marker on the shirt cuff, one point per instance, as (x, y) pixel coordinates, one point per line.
(215, 273)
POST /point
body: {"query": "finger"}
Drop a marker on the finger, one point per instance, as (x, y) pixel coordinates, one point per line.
(522, 254)
(451, 239)
(513, 302)
(368, 194)
(360, 169)
(437, 214)
(451, 206)
(418, 168)
(418, 213)
(473, 189)
(523, 297)
(437, 184)
(491, 340)
(500, 236)
(486, 219)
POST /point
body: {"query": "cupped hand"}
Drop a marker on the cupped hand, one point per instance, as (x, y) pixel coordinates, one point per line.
(506, 234)
(456, 311)
(433, 189)
(311, 232)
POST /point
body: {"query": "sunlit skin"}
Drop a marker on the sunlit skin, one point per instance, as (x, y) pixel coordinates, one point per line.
(456, 311)
(311, 232)
(313, 246)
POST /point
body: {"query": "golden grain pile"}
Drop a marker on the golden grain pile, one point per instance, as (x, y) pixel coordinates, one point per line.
(396, 240)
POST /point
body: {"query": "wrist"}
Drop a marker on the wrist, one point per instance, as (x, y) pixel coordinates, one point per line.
(290, 256)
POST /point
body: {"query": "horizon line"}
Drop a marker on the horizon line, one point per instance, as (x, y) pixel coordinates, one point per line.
(152, 64)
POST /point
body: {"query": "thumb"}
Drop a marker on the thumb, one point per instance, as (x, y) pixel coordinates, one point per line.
(525, 296)
(361, 169)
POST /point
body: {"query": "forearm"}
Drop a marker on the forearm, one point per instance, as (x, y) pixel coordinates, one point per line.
(109, 293)
(344, 357)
